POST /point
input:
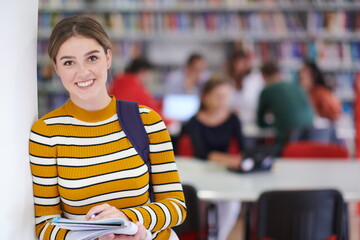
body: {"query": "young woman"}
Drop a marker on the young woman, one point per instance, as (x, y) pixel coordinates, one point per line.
(214, 129)
(324, 102)
(83, 165)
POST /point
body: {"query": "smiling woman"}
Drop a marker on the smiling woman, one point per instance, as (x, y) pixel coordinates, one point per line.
(82, 66)
(82, 161)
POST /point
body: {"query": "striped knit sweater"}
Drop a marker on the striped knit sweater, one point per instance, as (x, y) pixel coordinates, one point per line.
(80, 159)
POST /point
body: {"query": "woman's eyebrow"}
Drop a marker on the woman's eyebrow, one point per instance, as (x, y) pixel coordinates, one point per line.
(67, 57)
(91, 52)
(86, 54)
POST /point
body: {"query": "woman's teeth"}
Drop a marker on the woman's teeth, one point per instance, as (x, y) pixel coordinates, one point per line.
(85, 84)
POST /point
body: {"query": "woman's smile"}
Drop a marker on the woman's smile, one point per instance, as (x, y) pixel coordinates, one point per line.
(85, 83)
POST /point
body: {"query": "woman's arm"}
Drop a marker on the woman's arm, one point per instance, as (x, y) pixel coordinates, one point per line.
(226, 159)
(45, 185)
(326, 104)
(169, 208)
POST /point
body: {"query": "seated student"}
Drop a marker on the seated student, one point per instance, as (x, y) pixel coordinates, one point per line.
(211, 131)
(324, 102)
(286, 101)
(215, 127)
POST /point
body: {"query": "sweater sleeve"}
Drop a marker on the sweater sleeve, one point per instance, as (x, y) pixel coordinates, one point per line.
(169, 208)
(45, 183)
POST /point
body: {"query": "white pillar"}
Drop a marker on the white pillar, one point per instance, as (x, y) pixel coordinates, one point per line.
(18, 110)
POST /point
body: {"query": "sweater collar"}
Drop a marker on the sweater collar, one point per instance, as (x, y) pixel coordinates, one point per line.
(92, 116)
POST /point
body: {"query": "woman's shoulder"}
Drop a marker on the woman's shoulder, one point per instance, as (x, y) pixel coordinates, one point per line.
(148, 115)
(234, 117)
(321, 90)
(43, 121)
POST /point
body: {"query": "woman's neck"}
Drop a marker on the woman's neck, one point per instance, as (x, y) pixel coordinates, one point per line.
(213, 117)
(92, 104)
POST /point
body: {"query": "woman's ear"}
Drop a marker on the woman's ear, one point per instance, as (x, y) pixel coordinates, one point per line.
(108, 58)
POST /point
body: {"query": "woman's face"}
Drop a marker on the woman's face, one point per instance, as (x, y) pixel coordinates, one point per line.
(218, 98)
(305, 78)
(82, 65)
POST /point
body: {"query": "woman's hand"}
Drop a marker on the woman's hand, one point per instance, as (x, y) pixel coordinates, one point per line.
(226, 159)
(104, 211)
(140, 235)
(234, 161)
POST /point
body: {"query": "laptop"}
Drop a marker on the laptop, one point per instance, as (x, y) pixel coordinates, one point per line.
(180, 107)
(258, 159)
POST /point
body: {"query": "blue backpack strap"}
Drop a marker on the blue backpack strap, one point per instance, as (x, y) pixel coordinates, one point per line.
(131, 123)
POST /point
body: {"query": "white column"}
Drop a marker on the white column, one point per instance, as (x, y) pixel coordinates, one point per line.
(18, 110)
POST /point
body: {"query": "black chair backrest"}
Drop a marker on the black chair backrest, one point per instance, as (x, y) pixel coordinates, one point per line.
(300, 215)
(192, 221)
(326, 135)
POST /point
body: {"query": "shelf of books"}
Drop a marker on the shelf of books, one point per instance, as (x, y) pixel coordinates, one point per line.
(326, 31)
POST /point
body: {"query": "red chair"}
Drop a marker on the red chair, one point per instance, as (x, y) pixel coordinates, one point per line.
(184, 146)
(311, 149)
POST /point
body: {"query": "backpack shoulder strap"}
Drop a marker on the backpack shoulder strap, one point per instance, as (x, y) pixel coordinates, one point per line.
(131, 123)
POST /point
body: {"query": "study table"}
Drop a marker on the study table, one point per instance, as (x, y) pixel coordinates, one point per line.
(214, 182)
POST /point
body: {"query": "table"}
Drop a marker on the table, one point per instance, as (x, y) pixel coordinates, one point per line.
(214, 182)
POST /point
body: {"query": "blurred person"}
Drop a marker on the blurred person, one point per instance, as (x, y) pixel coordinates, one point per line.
(286, 101)
(190, 78)
(248, 83)
(324, 102)
(212, 132)
(131, 85)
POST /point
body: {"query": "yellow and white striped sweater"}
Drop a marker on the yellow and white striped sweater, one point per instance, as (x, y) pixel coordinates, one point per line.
(80, 159)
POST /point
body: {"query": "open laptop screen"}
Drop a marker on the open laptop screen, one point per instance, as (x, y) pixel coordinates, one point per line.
(180, 107)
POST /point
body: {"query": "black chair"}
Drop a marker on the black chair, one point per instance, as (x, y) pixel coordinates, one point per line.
(301, 215)
(190, 228)
(325, 135)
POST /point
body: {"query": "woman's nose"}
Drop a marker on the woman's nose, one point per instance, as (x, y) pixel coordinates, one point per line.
(83, 70)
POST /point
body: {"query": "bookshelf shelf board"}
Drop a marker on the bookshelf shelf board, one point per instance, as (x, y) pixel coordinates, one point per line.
(246, 7)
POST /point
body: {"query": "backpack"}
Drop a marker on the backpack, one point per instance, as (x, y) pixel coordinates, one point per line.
(131, 123)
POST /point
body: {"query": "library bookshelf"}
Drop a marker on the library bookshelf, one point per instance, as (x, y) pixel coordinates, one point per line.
(166, 31)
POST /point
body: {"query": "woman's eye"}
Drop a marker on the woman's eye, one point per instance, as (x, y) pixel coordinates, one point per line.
(68, 63)
(93, 58)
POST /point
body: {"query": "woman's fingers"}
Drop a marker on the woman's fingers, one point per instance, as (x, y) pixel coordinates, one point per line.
(104, 211)
(140, 235)
(110, 236)
(94, 211)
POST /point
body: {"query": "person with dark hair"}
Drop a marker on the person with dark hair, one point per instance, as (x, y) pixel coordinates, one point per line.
(190, 78)
(324, 102)
(248, 84)
(138, 65)
(131, 85)
(285, 101)
(213, 131)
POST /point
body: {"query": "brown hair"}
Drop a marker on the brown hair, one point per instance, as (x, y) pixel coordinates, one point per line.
(76, 26)
(209, 85)
(269, 69)
(237, 55)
